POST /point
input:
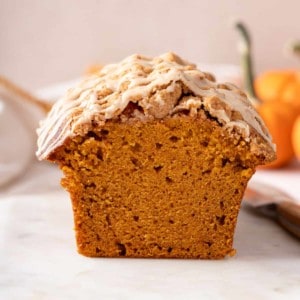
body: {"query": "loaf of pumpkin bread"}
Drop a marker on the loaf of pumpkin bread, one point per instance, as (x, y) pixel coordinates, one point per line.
(156, 156)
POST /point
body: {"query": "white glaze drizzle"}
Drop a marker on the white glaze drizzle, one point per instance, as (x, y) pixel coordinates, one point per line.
(137, 79)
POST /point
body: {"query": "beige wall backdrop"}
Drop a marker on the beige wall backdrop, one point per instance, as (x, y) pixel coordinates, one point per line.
(48, 41)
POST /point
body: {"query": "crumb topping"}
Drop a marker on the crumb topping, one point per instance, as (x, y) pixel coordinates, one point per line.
(158, 87)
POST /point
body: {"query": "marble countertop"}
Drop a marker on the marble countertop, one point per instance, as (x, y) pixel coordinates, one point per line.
(38, 258)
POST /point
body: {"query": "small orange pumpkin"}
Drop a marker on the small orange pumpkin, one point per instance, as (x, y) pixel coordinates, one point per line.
(282, 85)
(296, 137)
(279, 118)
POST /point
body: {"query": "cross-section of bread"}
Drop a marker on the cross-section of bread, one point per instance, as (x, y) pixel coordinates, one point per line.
(156, 156)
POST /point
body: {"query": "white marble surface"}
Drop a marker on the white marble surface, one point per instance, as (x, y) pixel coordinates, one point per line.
(38, 258)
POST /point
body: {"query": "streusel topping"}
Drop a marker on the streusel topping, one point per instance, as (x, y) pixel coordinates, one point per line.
(158, 87)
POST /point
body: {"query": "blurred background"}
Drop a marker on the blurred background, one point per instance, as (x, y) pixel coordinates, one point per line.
(45, 42)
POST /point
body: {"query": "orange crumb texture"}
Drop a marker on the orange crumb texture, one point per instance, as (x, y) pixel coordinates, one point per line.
(167, 187)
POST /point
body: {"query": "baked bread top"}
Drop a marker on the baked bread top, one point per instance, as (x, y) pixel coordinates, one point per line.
(144, 89)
